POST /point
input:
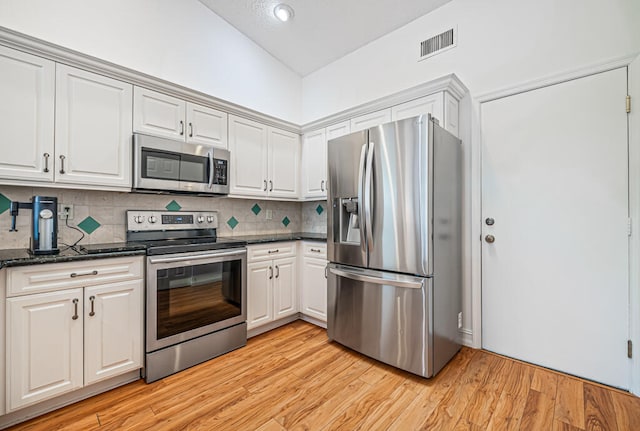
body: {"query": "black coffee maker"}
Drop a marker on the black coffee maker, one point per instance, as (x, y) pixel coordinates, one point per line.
(44, 223)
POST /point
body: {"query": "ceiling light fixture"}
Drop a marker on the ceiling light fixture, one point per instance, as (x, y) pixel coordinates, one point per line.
(283, 12)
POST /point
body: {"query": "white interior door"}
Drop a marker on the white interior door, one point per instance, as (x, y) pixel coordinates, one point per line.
(555, 181)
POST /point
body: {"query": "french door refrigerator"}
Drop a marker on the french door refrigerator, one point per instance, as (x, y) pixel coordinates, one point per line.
(394, 243)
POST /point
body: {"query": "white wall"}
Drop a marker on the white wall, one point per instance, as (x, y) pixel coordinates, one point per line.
(501, 43)
(180, 41)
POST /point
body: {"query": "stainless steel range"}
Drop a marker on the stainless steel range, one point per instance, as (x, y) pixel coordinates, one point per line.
(196, 301)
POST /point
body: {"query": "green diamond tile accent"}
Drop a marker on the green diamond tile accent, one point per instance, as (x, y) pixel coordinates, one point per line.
(319, 209)
(256, 209)
(5, 203)
(89, 225)
(286, 221)
(232, 222)
(173, 206)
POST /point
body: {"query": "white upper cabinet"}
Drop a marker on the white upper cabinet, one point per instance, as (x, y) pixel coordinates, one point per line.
(248, 160)
(370, 120)
(314, 164)
(442, 106)
(264, 160)
(338, 129)
(158, 114)
(206, 126)
(93, 129)
(169, 117)
(27, 86)
(284, 163)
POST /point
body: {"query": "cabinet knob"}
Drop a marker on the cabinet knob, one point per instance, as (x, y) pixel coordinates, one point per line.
(490, 239)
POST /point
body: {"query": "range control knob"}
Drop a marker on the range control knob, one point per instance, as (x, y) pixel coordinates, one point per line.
(138, 219)
(209, 219)
(153, 219)
(200, 219)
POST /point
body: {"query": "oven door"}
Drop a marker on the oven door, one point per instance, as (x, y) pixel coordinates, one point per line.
(193, 294)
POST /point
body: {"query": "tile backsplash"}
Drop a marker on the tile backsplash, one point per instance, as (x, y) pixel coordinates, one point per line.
(101, 215)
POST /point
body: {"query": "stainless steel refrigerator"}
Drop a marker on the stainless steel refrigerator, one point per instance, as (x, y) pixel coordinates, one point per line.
(394, 243)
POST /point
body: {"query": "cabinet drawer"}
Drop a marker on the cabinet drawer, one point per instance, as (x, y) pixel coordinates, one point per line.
(273, 250)
(315, 249)
(56, 276)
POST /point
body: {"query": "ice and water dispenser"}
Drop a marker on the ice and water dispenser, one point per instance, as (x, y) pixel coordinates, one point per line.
(346, 221)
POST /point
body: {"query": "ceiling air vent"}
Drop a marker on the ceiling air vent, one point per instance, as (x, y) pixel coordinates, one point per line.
(438, 43)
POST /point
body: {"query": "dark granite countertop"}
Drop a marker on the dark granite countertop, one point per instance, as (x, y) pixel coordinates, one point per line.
(280, 237)
(21, 256)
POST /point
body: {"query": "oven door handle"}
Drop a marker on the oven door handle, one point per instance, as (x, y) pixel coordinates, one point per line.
(210, 154)
(196, 257)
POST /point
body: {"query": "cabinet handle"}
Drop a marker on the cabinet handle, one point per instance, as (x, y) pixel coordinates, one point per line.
(270, 185)
(315, 250)
(92, 300)
(277, 271)
(75, 307)
(326, 269)
(270, 273)
(191, 130)
(265, 185)
(62, 164)
(46, 162)
(322, 185)
(273, 251)
(83, 274)
(181, 127)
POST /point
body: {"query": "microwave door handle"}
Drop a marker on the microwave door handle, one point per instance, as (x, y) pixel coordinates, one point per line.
(210, 154)
(361, 177)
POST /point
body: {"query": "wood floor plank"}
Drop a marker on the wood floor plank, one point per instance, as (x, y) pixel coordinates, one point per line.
(538, 411)
(508, 411)
(570, 402)
(295, 378)
(599, 413)
(627, 408)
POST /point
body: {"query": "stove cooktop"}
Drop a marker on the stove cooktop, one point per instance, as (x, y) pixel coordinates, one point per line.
(171, 246)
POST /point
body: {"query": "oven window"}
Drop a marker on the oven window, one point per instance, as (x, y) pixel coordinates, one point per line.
(191, 297)
(160, 165)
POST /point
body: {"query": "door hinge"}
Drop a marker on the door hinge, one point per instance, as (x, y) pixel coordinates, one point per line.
(629, 349)
(628, 104)
(629, 227)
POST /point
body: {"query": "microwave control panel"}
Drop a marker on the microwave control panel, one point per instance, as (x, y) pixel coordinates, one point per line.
(220, 172)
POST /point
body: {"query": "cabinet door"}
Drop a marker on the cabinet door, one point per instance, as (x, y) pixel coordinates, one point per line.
(158, 114)
(206, 126)
(284, 291)
(370, 120)
(259, 293)
(284, 163)
(44, 346)
(112, 329)
(93, 129)
(338, 129)
(27, 86)
(432, 104)
(248, 147)
(314, 165)
(314, 288)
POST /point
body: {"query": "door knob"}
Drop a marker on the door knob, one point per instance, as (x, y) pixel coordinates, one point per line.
(490, 239)
(489, 221)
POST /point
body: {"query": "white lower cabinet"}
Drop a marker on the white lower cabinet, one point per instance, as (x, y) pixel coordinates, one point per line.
(271, 283)
(59, 341)
(313, 283)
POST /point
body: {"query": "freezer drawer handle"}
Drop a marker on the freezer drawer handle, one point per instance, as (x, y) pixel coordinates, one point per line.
(369, 279)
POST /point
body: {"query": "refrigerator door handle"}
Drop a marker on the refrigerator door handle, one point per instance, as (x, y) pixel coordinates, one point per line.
(368, 203)
(361, 188)
(396, 280)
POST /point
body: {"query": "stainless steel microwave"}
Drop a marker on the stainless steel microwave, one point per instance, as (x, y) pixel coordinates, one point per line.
(163, 165)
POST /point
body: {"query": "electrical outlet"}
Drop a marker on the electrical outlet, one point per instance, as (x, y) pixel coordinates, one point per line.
(64, 211)
(460, 320)
(269, 214)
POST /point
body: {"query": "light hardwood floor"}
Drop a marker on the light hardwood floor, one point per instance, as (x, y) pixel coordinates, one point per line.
(292, 378)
